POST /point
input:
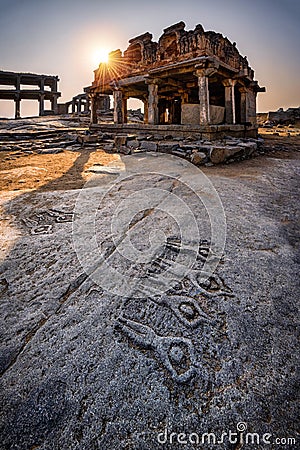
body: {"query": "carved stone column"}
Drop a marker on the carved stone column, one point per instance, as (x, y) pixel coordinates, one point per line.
(243, 92)
(229, 101)
(251, 104)
(145, 110)
(184, 95)
(94, 107)
(124, 108)
(118, 107)
(153, 104)
(203, 97)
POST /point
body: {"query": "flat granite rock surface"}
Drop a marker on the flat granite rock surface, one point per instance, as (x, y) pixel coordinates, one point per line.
(115, 334)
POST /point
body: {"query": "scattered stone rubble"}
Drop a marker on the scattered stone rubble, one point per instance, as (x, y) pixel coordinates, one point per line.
(39, 139)
(290, 117)
(199, 152)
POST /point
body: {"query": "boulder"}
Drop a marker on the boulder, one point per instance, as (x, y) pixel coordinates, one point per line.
(221, 154)
(198, 158)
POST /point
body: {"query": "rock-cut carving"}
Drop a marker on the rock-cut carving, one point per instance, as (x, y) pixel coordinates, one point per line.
(186, 309)
(175, 353)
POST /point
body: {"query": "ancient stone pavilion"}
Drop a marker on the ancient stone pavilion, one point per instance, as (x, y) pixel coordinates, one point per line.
(188, 81)
(37, 87)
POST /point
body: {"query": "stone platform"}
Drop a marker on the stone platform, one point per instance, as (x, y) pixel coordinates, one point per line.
(210, 132)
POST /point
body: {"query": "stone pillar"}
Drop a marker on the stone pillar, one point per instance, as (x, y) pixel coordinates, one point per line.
(73, 106)
(184, 96)
(243, 92)
(17, 107)
(203, 97)
(251, 104)
(54, 104)
(153, 104)
(124, 106)
(41, 101)
(18, 83)
(145, 111)
(118, 107)
(87, 105)
(229, 101)
(79, 106)
(54, 85)
(94, 107)
(42, 97)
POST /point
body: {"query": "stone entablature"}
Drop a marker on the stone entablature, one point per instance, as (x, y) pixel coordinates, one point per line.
(188, 78)
(18, 93)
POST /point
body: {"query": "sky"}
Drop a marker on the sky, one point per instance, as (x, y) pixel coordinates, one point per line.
(62, 37)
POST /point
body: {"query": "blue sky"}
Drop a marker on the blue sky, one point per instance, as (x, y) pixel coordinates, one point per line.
(61, 37)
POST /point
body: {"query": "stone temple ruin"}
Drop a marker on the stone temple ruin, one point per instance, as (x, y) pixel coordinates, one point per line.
(30, 86)
(190, 81)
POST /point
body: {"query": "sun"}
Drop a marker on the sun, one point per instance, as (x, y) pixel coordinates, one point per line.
(100, 56)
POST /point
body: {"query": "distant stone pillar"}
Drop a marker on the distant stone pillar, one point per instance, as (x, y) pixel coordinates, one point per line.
(73, 106)
(87, 105)
(17, 107)
(118, 107)
(18, 83)
(153, 104)
(41, 101)
(229, 101)
(54, 85)
(79, 105)
(54, 104)
(203, 97)
(42, 97)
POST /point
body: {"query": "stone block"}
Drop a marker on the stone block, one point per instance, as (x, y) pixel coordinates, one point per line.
(190, 114)
(179, 152)
(134, 144)
(167, 146)
(198, 158)
(149, 146)
(221, 154)
(120, 140)
(217, 114)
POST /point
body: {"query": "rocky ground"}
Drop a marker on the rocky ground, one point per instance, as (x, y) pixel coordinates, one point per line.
(123, 318)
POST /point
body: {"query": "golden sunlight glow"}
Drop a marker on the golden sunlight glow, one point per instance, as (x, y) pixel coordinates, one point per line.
(100, 56)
